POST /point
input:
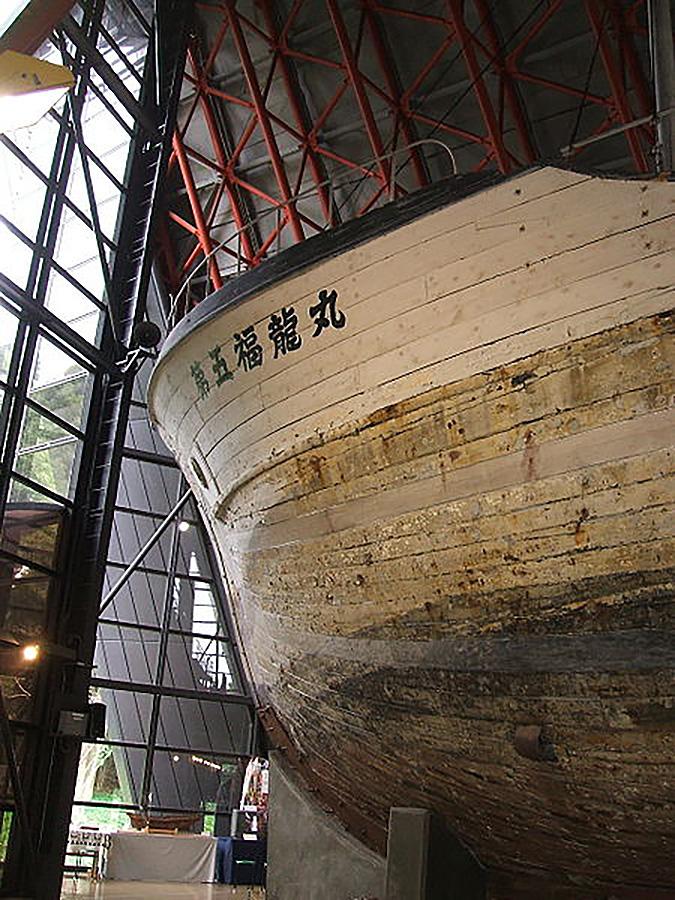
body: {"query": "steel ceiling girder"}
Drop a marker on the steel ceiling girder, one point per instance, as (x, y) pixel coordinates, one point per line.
(466, 41)
(202, 230)
(390, 109)
(34, 25)
(298, 108)
(205, 101)
(265, 123)
(620, 103)
(388, 67)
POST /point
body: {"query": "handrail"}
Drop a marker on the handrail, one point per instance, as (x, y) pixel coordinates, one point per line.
(328, 182)
(652, 118)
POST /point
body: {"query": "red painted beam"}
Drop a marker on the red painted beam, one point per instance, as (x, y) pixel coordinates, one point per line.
(561, 88)
(393, 86)
(424, 71)
(598, 14)
(299, 112)
(624, 36)
(465, 39)
(167, 259)
(409, 14)
(537, 26)
(197, 212)
(511, 96)
(220, 152)
(352, 69)
(263, 120)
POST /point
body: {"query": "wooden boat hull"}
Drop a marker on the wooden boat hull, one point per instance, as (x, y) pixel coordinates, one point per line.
(450, 519)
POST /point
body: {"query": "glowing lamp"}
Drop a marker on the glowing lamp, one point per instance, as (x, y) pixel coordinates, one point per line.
(30, 653)
(29, 87)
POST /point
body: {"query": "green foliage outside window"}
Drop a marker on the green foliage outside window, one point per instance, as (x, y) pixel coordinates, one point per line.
(47, 451)
(5, 829)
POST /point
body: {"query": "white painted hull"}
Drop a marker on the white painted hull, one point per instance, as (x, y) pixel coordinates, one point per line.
(453, 515)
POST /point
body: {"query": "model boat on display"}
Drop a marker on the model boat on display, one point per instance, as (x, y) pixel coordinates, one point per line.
(434, 448)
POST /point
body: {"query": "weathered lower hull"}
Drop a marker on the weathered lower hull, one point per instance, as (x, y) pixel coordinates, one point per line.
(454, 517)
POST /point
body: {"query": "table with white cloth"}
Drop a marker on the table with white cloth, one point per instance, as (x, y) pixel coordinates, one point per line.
(139, 856)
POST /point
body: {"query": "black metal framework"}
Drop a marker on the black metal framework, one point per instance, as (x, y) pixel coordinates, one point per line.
(75, 268)
(172, 681)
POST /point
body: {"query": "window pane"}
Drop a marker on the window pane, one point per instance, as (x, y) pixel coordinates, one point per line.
(23, 599)
(192, 559)
(131, 40)
(22, 193)
(90, 275)
(104, 188)
(22, 493)
(102, 131)
(32, 531)
(110, 774)
(38, 141)
(47, 455)
(19, 692)
(199, 663)
(8, 328)
(59, 383)
(142, 436)
(131, 533)
(126, 654)
(52, 365)
(106, 197)
(72, 306)
(105, 818)
(15, 257)
(190, 781)
(127, 715)
(107, 214)
(140, 600)
(194, 607)
(76, 243)
(204, 725)
(145, 486)
(115, 160)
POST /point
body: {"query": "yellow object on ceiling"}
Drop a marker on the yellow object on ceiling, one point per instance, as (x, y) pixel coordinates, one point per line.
(21, 74)
(29, 87)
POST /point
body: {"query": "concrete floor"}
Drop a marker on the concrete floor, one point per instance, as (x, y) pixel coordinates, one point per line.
(83, 889)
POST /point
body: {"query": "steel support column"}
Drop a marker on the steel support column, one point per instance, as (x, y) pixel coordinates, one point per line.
(660, 35)
(53, 771)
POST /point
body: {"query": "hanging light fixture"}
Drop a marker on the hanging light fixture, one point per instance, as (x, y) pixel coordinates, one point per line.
(29, 87)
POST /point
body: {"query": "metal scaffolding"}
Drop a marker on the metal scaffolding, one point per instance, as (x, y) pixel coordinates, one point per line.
(256, 134)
